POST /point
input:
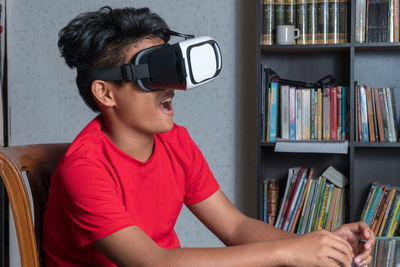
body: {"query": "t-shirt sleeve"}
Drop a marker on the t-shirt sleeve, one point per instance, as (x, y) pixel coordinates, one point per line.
(91, 200)
(202, 183)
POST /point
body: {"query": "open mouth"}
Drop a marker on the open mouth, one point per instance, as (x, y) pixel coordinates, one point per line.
(166, 104)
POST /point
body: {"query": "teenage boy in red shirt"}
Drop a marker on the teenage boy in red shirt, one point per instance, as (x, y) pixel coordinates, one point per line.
(116, 194)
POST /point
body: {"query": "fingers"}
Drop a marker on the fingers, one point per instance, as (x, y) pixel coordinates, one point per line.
(341, 244)
(336, 248)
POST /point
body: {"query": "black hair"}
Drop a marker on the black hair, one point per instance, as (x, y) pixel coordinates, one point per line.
(98, 39)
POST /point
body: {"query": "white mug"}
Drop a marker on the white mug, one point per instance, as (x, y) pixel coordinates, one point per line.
(286, 34)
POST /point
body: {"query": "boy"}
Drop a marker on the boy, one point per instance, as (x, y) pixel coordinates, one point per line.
(116, 194)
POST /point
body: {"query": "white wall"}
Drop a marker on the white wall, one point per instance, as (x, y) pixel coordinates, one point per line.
(221, 116)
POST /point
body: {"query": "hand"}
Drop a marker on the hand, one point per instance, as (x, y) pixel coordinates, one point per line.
(356, 234)
(319, 248)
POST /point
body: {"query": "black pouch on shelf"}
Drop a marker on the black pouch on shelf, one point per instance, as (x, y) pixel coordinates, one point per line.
(271, 75)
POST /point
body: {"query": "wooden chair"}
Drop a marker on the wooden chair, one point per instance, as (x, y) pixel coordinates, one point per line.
(38, 161)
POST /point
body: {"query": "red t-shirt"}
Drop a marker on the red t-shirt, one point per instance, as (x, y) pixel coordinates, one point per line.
(97, 190)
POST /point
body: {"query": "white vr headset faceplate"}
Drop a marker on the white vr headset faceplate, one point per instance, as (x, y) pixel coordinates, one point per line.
(203, 60)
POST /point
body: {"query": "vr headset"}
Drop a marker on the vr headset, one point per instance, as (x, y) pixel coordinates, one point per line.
(183, 65)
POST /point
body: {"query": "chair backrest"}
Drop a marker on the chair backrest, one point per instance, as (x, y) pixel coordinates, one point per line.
(38, 161)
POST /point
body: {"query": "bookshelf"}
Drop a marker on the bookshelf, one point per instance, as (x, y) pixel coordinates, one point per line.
(375, 64)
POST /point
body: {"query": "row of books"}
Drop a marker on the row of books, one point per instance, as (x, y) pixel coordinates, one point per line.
(303, 113)
(308, 203)
(319, 21)
(386, 252)
(382, 209)
(377, 114)
(377, 21)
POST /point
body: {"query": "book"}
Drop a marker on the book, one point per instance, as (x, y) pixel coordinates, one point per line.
(384, 113)
(339, 112)
(344, 109)
(305, 114)
(290, 12)
(285, 196)
(272, 200)
(274, 112)
(368, 201)
(326, 113)
(284, 107)
(292, 199)
(307, 208)
(335, 177)
(334, 22)
(364, 115)
(301, 8)
(344, 7)
(379, 117)
(313, 112)
(333, 113)
(279, 12)
(391, 122)
(323, 21)
(374, 114)
(359, 29)
(292, 113)
(268, 26)
(370, 114)
(386, 212)
(318, 205)
(312, 22)
(319, 115)
(298, 115)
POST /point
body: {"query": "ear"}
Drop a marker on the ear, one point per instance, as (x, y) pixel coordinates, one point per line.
(102, 93)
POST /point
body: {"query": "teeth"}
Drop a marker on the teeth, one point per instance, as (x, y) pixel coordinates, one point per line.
(166, 100)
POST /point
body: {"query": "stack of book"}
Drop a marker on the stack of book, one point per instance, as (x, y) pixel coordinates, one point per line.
(386, 252)
(309, 203)
(377, 21)
(319, 21)
(382, 209)
(376, 114)
(303, 113)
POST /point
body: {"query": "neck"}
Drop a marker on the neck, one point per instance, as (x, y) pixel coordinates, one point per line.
(136, 144)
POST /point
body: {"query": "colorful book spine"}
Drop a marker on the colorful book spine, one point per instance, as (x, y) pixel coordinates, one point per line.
(339, 112)
(326, 113)
(292, 113)
(374, 115)
(272, 200)
(384, 113)
(298, 114)
(370, 114)
(344, 109)
(364, 115)
(333, 113)
(265, 205)
(319, 120)
(379, 117)
(284, 107)
(312, 115)
(274, 112)
(305, 114)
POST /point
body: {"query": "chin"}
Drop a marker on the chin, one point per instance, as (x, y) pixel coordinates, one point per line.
(166, 128)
